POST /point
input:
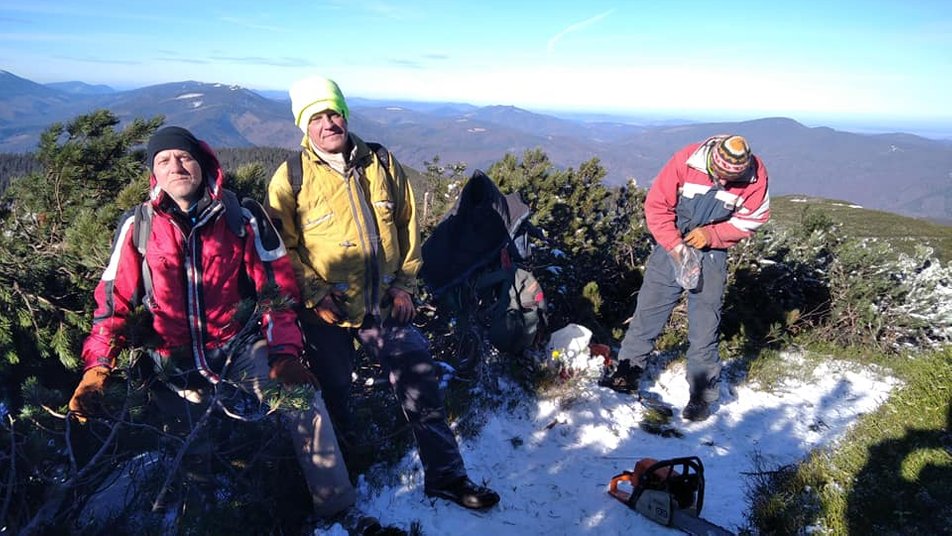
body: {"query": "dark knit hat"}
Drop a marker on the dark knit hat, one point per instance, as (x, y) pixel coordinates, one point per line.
(730, 158)
(175, 138)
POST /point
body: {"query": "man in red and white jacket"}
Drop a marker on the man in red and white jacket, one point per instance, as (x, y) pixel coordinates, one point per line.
(708, 197)
(191, 255)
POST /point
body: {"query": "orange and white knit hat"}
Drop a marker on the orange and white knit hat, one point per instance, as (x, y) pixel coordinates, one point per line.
(730, 158)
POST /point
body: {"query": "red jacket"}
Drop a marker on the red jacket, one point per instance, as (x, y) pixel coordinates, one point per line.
(683, 191)
(199, 276)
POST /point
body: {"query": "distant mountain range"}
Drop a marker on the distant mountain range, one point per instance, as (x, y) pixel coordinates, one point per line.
(900, 173)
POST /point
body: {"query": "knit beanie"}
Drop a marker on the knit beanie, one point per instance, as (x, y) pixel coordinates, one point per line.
(730, 158)
(313, 95)
(175, 138)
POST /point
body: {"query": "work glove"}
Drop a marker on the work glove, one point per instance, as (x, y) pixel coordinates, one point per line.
(88, 393)
(328, 309)
(288, 370)
(402, 309)
(699, 238)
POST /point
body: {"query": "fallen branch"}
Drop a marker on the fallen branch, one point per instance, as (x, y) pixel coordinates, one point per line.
(57, 494)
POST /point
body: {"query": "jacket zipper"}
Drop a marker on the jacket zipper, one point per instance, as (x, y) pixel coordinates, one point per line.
(196, 321)
(360, 212)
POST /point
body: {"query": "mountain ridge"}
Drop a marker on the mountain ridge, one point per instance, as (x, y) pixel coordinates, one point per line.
(901, 173)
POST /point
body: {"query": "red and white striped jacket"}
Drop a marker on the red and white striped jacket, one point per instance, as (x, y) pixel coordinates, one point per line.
(684, 196)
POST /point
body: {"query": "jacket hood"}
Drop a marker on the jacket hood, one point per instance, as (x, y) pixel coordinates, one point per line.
(213, 178)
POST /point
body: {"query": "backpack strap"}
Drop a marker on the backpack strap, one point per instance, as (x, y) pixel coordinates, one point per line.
(233, 214)
(295, 167)
(267, 236)
(141, 229)
(382, 154)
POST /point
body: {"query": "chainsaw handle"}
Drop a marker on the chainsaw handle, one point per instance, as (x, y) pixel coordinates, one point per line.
(626, 476)
(688, 465)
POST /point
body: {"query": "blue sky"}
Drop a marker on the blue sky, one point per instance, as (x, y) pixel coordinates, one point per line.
(886, 61)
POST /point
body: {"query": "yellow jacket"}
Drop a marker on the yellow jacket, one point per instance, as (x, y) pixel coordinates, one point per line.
(355, 232)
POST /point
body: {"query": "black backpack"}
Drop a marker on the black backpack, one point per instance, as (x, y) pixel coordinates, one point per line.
(476, 263)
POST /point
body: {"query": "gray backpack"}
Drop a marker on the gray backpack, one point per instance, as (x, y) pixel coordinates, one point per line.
(513, 308)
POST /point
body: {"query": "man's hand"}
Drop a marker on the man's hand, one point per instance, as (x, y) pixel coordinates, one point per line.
(402, 310)
(288, 370)
(88, 393)
(698, 238)
(328, 310)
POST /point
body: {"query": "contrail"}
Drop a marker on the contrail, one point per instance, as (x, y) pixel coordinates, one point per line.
(575, 27)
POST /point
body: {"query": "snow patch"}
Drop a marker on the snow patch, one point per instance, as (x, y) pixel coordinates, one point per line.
(551, 460)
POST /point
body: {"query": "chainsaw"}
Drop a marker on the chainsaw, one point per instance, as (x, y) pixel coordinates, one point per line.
(669, 492)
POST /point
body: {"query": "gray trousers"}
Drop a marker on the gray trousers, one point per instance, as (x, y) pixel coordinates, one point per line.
(658, 295)
(404, 354)
(315, 444)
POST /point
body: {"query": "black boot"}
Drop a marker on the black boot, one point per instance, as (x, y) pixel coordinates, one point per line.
(697, 410)
(465, 493)
(356, 522)
(624, 378)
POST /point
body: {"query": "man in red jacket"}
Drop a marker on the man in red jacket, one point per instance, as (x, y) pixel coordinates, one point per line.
(204, 254)
(707, 198)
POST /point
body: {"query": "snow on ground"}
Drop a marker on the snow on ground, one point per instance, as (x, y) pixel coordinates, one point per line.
(551, 460)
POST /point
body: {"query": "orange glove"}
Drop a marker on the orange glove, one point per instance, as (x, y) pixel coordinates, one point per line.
(698, 238)
(289, 370)
(88, 393)
(402, 309)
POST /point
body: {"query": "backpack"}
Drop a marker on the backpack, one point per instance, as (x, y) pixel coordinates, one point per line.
(473, 233)
(476, 264)
(514, 308)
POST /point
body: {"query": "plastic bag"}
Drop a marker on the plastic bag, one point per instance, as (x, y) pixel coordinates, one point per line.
(687, 266)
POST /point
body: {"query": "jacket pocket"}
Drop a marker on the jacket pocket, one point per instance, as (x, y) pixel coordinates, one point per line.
(317, 218)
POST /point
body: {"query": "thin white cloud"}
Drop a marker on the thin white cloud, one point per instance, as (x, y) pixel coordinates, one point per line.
(574, 28)
(89, 59)
(286, 61)
(255, 26)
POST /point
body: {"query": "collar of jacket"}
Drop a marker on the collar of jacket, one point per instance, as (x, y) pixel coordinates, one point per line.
(359, 156)
(205, 210)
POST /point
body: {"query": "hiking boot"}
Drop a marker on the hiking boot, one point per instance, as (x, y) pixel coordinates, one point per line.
(357, 523)
(696, 410)
(465, 493)
(623, 378)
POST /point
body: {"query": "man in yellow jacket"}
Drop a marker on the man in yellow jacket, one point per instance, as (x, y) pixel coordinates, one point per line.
(347, 217)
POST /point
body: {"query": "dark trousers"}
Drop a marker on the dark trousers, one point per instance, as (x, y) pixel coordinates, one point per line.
(404, 354)
(658, 295)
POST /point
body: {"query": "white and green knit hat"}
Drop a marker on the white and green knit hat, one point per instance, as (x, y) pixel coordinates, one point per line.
(314, 95)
